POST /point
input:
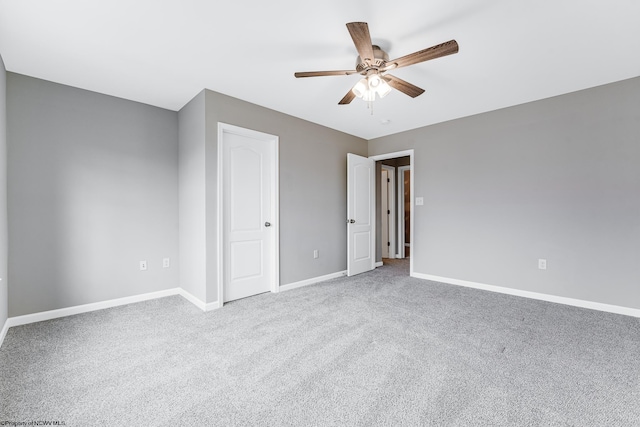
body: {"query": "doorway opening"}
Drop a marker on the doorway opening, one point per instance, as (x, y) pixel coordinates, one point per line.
(394, 202)
(388, 210)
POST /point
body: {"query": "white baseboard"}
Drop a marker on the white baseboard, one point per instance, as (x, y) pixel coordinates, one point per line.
(212, 306)
(198, 302)
(192, 299)
(3, 333)
(85, 308)
(312, 281)
(627, 311)
(70, 311)
(379, 264)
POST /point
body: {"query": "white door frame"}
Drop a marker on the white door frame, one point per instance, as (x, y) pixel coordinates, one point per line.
(391, 206)
(411, 188)
(275, 197)
(401, 242)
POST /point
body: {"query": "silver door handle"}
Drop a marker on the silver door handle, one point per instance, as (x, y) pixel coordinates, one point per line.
(267, 224)
(351, 221)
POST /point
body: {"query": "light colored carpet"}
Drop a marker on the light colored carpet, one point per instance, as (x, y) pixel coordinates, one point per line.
(380, 348)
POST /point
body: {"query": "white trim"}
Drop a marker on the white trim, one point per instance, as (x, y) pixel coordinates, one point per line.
(393, 155)
(210, 306)
(401, 225)
(4, 331)
(627, 311)
(391, 206)
(192, 299)
(219, 225)
(198, 302)
(274, 140)
(312, 281)
(379, 264)
(85, 308)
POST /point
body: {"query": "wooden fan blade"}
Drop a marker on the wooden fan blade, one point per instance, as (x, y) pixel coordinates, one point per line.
(403, 86)
(437, 51)
(347, 98)
(325, 73)
(362, 39)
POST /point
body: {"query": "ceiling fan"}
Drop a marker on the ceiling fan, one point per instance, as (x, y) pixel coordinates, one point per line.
(373, 63)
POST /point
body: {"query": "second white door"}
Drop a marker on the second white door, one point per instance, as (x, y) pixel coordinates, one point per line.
(360, 214)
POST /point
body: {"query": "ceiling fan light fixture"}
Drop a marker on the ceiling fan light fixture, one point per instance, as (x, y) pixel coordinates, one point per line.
(374, 81)
(383, 89)
(369, 96)
(361, 88)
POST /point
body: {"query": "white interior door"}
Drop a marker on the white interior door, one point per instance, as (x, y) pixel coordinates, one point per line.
(384, 211)
(388, 211)
(360, 214)
(248, 209)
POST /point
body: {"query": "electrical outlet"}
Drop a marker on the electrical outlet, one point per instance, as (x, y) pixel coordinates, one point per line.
(542, 264)
(143, 265)
(166, 263)
(419, 201)
(315, 253)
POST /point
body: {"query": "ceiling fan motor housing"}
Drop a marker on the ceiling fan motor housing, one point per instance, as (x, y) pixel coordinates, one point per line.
(380, 58)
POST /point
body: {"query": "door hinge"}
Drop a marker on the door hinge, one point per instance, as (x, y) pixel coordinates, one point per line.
(388, 243)
(388, 212)
(388, 179)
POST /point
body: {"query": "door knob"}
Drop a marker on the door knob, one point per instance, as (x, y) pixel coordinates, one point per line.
(352, 221)
(267, 224)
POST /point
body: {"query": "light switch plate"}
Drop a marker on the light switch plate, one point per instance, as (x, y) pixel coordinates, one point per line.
(419, 201)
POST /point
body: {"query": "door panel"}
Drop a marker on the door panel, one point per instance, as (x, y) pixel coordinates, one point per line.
(360, 214)
(361, 245)
(247, 241)
(246, 259)
(362, 193)
(246, 178)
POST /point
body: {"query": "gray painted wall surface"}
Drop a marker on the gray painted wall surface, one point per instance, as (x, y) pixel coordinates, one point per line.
(313, 181)
(191, 190)
(4, 296)
(555, 179)
(92, 190)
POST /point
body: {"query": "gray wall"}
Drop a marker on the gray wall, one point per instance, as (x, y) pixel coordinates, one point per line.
(92, 190)
(313, 193)
(4, 296)
(555, 179)
(191, 192)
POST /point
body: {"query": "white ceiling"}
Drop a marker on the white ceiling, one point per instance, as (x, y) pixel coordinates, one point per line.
(164, 52)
